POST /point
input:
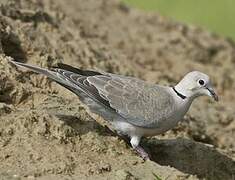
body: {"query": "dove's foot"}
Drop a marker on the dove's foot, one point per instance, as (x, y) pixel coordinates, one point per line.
(142, 153)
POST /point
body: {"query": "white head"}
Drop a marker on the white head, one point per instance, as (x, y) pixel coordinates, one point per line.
(196, 84)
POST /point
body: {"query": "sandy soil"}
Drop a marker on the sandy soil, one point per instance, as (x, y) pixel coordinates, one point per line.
(46, 133)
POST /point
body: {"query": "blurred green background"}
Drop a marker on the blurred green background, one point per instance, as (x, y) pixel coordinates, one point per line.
(215, 15)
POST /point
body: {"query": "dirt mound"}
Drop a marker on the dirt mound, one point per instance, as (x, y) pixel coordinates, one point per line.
(46, 133)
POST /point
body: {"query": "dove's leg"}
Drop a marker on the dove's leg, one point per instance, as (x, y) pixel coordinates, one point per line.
(135, 140)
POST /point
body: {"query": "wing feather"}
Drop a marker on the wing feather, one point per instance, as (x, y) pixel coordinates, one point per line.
(139, 103)
(131, 99)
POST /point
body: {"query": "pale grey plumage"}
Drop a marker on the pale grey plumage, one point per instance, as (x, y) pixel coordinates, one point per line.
(136, 101)
(133, 107)
(140, 103)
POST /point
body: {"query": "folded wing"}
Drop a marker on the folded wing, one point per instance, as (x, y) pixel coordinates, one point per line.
(137, 102)
(141, 104)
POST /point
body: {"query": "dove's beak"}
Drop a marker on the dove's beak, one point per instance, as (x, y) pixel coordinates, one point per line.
(212, 93)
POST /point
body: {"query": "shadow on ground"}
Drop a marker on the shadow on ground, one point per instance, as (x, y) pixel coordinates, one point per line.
(192, 158)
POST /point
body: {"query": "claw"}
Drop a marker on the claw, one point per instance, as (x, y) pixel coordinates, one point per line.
(142, 153)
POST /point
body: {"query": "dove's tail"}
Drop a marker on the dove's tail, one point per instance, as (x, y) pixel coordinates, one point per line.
(69, 77)
(75, 80)
(52, 74)
(48, 73)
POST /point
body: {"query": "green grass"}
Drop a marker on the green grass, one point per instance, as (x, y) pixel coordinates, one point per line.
(156, 177)
(215, 15)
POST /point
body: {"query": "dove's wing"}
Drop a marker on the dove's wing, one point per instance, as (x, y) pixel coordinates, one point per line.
(141, 104)
(134, 100)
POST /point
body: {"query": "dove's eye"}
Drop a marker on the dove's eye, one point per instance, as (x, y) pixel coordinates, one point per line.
(201, 82)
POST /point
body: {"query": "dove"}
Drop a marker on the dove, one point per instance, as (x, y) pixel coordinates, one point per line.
(133, 107)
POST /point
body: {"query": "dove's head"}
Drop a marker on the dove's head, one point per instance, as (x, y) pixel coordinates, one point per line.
(196, 84)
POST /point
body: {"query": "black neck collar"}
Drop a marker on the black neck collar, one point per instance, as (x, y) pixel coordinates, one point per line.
(179, 94)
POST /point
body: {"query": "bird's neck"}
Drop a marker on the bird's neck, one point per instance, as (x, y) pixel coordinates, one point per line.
(183, 99)
(185, 96)
(178, 93)
(181, 92)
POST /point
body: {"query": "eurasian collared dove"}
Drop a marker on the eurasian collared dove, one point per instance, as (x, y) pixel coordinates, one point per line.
(132, 106)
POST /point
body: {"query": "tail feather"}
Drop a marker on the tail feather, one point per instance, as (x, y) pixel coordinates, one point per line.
(77, 71)
(36, 69)
(51, 74)
(88, 94)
